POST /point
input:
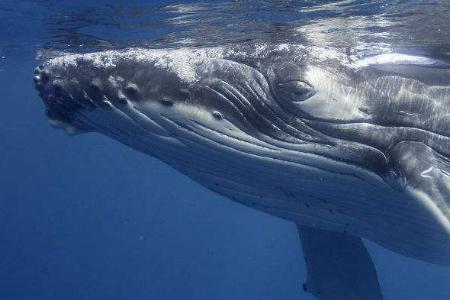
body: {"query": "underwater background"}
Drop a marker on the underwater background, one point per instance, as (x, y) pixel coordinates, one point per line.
(85, 217)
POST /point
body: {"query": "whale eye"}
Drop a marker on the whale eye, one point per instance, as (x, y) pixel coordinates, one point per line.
(295, 90)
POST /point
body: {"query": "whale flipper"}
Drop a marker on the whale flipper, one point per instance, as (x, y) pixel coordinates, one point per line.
(338, 266)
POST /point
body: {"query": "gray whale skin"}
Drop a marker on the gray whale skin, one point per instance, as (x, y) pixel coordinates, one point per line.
(346, 148)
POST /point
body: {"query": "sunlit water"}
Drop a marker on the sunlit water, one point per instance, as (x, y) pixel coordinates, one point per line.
(87, 218)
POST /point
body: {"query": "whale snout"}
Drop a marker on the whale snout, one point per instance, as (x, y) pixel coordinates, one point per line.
(59, 102)
(69, 91)
(96, 91)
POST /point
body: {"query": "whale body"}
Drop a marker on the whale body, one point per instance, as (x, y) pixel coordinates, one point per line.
(346, 148)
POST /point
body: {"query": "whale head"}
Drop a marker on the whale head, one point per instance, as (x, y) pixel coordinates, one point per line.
(151, 98)
(301, 136)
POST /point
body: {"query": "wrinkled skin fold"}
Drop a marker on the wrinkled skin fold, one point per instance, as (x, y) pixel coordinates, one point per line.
(355, 147)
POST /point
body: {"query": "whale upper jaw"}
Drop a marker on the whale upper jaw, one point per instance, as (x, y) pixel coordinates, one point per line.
(85, 93)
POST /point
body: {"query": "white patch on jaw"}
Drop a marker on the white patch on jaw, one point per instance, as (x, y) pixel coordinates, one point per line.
(69, 129)
(427, 172)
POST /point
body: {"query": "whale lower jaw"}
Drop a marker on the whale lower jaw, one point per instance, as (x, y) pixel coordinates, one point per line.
(321, 193)
(315, 191)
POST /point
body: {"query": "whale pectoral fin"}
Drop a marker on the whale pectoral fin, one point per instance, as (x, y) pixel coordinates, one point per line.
(425, 175)
(338, 266)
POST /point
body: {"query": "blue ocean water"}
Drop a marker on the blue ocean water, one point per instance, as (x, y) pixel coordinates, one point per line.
(85, 217)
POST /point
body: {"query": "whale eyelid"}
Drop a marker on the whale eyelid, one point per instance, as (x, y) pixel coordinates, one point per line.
(294, 80)
(301, 82)
(295, 90)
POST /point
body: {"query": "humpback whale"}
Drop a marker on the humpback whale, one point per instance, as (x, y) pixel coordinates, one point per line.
(347, 148)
